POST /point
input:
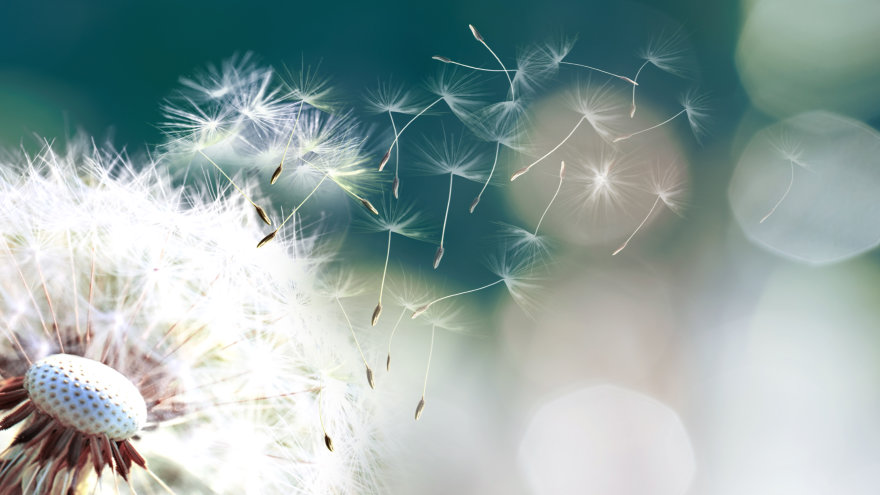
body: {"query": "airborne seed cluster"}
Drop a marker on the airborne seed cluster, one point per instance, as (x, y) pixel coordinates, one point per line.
(86, 395)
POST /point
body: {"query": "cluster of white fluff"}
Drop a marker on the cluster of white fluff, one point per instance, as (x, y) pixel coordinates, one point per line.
(231, 347)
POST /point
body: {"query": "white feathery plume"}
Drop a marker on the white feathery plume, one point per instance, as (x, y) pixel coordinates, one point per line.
(245, 373)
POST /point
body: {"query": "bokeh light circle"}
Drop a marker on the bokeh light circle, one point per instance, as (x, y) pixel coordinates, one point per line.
(606, 440)
(797, 55)
(807, 188)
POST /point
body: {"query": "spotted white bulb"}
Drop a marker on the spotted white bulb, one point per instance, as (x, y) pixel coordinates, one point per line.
(86, 395)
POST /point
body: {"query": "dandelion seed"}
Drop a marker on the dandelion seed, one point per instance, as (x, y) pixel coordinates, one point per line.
(515, 271)
(369, 371)
(403, 220)
(263, 216)
(458, 159)
(479, 38)
(693, 106)
(667, 51)
(668, 189)
(446, 320)
(499, 123)
(601, 71)
(604, 184)
(391, 99)
(555, 194)
(305, 87)
(409, 294)
(451, 88)
(419, 408)
(596, 105)
(791, 151)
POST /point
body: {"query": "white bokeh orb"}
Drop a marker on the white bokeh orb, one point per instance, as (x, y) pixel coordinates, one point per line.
(606, 440)
(807, 188)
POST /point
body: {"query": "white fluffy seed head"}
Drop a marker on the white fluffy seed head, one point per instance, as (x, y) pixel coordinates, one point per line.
(86, 395)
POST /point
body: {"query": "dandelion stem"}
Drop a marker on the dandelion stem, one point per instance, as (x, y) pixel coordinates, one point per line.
(27, 287)
(73, 278)
(430, 354)
(245, 196)
(656, 202)
(670, 119)
(787, 189)
(439, 255)
(91, 294)
(309, 195)
(632, 111)
(398, 134)
(421, 405)
(356, 343)
(602, 71)
(378, 309)
(277, 172)
(558, 187)
(327, 441)
(506, 72)
(391, 338)
(424, 308)
(527, 168)
(51, 306)
(488, 179)
(466, 66)
(396, 183)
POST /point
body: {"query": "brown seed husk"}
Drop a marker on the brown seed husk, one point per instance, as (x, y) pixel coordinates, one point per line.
(420, 408)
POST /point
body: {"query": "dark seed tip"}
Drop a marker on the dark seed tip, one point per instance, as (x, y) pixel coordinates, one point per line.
(328, 442)
(420, 408)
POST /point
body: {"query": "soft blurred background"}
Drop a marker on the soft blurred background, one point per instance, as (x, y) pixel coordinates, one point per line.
(717, 354)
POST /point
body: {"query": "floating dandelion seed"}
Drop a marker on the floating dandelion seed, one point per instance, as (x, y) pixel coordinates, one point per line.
(409, 294)
(534, 65)
(458, 159)
(391, 99)
(668, 188)
(555, 194)
(479, 38)
(456, 90)
(445, 320)
(198, 345)
(603, 183)
(339, 286)
(514, 269)
(304, 87)
(693, 105)
(791, 151)
(669, 52)
(402, 220)
(499, 123)
(596, 106)
(527, 241)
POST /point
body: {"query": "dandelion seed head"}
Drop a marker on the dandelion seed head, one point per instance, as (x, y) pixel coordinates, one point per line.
(697, 111)
(520, 239)
(517, 270)
(306, 85)
(400, 218)
(601, 105)
(108, 262)
(602, 183)
(395, 98)
(451, 154)
(669, 184)
(458, 89)
(670, 52)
